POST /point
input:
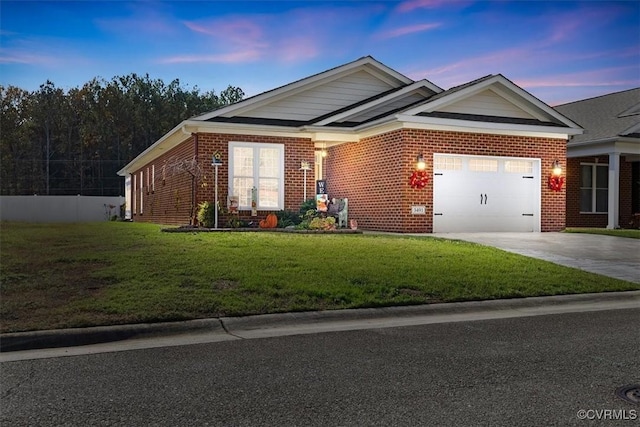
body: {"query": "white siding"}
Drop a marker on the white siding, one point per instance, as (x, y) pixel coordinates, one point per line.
(323, 99)
(486, 103)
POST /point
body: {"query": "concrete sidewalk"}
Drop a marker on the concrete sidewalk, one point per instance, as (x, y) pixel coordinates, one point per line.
(69, 342)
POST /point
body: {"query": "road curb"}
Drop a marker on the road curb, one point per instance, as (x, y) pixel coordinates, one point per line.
(236, 326)
(102, 334)
(239, 325)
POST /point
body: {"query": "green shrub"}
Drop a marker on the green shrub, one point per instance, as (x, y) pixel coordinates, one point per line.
(206, 214)
(288, 218)
(307, 205)
(319, 223)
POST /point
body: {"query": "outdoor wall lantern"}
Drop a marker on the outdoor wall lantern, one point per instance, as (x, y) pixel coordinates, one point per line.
(324, 153)
(419, 178)
(556, 180)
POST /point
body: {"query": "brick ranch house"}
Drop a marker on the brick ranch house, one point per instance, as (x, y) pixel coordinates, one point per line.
(603, 164)
(489, 148)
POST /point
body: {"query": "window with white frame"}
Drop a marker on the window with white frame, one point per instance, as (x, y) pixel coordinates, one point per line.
(260, 166)
(447, 163)
(594, 188)
(483, 165)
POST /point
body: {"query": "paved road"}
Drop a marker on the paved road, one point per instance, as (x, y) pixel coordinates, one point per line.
(527, 371)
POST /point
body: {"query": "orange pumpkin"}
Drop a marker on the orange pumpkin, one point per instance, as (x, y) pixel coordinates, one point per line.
(270, 222)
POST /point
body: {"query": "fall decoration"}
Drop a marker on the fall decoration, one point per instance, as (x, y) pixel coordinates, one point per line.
(270, 222)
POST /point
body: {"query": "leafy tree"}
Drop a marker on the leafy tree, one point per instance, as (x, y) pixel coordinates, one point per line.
(54, 142)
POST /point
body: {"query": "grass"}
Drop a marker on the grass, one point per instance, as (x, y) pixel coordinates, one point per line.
(75, 275)
(631, 233)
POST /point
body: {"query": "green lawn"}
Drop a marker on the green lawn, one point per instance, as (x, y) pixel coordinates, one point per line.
(631, 233)
(61, 275)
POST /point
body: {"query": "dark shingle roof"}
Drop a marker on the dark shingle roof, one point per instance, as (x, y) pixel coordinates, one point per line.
(604, 116)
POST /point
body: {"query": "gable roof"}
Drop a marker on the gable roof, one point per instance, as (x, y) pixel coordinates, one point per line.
(492, 98)
(616, 115)
(323, 93)
(365, 97)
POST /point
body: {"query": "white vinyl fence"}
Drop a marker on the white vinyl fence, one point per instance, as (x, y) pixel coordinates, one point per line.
(59, 208)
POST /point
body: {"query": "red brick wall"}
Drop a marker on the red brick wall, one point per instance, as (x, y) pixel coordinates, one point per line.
(369, 174)
(374, 174)
(171, 202)
(597, 220)
(626, 188)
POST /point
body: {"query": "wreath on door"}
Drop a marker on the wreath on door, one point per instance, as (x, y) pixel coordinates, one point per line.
(418, 179)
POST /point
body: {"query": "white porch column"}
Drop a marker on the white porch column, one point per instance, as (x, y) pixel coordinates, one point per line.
(614, 190)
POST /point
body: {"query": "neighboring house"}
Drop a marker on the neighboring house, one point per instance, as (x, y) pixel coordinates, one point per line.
(489, 147)
(603, 165)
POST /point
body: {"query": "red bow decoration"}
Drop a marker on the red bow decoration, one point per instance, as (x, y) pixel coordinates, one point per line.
(418, 179)
(556, 182)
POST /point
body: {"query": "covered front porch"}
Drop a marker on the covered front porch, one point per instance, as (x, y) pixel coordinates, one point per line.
(603, 188)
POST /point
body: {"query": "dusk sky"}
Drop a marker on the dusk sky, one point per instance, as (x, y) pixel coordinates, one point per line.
(559, 51)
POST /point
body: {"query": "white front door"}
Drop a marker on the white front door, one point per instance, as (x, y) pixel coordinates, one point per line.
(481, 193)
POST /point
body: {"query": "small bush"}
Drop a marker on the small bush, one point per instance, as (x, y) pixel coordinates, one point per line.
(288, 219)
(307, 205)
(206, 214)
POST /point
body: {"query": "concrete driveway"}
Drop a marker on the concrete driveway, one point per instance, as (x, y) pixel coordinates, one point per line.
(617, 257)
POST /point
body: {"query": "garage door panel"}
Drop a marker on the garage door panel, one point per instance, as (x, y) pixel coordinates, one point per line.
(486, 194)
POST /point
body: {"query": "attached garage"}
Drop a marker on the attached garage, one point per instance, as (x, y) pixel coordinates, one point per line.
(487, 148)
(482, 193)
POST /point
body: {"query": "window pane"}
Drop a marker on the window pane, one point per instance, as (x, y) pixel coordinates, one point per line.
(602, 200)
(242, 161)
(269, 160)
(447, 163)
(602, 176)
(268, 193)
(483, 165)
(518, 166)
(242, 189)
(585, 176)
(585, 200)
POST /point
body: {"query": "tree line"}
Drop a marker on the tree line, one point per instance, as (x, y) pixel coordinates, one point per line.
(56, 142)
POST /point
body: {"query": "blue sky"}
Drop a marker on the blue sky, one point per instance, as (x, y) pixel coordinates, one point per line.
(559, 51)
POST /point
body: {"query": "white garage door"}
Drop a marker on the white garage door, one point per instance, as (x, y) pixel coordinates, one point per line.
(480, 193)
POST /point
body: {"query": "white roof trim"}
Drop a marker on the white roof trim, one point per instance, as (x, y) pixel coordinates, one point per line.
(367, 63)
(632, 129)
(414, 87)
(486, 127)
(626, 146)
(503, 87)
(183, 131)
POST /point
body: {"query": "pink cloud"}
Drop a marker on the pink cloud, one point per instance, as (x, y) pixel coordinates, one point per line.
(241, 31)
(222, 58)
(19, 57)
(593, 78)
(296, 49)
(411, 5)
(411, 29)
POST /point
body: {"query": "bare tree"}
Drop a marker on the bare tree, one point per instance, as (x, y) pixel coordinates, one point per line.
(176, 166)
